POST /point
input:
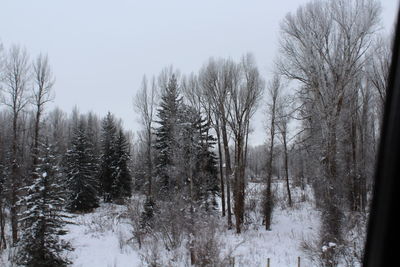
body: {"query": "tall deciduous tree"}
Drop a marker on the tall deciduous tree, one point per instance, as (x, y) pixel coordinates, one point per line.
(16, 79)
(282, 121)
(215, 82)
(323, 47)
(273, 90)
(245, 91)
(145, 104)
(43, 81)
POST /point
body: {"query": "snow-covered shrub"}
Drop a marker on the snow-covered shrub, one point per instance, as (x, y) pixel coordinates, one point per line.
(154, 254)
(104, 219)
(355, 228)
(253, 207)
(134, 214)
(151, 254)
(170, 223)
(325, 255)
(204, 245)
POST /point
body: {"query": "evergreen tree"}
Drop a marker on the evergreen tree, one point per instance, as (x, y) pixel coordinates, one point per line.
(197, 157)
(166, 134)
(44, 217)
(206, 168)
(80, 173)
(121, 183)
(107, 161)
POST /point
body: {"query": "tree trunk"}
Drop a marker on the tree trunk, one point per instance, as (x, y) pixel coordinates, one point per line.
(286, 168)
(239, 184)
(331, 221)
(220, 167)
(3, 243)
(268, 197)
(149, 163)
(14, 175)
(268, 205)
(228, 171)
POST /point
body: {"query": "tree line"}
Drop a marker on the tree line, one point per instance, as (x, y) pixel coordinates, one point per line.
(324, 109)
(51, 163)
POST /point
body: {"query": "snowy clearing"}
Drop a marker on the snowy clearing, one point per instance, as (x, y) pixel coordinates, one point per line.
(104, 239)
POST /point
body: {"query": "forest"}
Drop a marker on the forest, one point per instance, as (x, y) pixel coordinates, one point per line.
(187, 188)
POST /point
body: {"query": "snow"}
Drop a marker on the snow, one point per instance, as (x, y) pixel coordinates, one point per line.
(281, 244)
(97, 239)
(103, 238)
(332, 245)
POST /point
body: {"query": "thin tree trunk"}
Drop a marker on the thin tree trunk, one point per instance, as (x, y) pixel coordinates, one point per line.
(150, 164)
(36, 136)
(228, 171)
(269, 201)
(286, 168)
(241, 158)
(239, 184)
(354, 171)
(14, 175)
(220, 167)
(3, 243)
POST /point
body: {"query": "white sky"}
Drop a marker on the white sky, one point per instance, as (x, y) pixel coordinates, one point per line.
(99, 50)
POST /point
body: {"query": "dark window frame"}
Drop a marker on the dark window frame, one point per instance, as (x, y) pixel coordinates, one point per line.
(383, 226)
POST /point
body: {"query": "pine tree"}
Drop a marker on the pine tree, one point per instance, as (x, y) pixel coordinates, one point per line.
(107, 161)
(166, 134)
(196, 148)
(206, 168)
(81, 174)
(121, 176)
(44, 217)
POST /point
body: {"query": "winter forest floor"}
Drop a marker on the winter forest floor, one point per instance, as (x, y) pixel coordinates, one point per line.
(104, 237)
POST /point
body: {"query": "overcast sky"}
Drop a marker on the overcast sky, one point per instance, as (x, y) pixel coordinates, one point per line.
(99, 50)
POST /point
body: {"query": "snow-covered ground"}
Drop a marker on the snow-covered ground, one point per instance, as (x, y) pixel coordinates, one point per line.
(281, 244)
(100, 239)
(104, 238)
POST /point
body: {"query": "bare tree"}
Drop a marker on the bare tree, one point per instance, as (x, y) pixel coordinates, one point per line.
(43, 81)
(16, 79)
(323, 47)
(3, 243)
(215, 79)
(378, 69)
(145, 103)
(283, 118)
(245, 91)
(196, 97)
(57, 129)
(273, 89)
(220, 163)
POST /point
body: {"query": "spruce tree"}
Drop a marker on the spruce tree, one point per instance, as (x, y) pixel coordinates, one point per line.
(80, 172)
(166, 133)
(121, 184)
(206, 166)
(44, 217)
(197, 156)
(107, 161)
